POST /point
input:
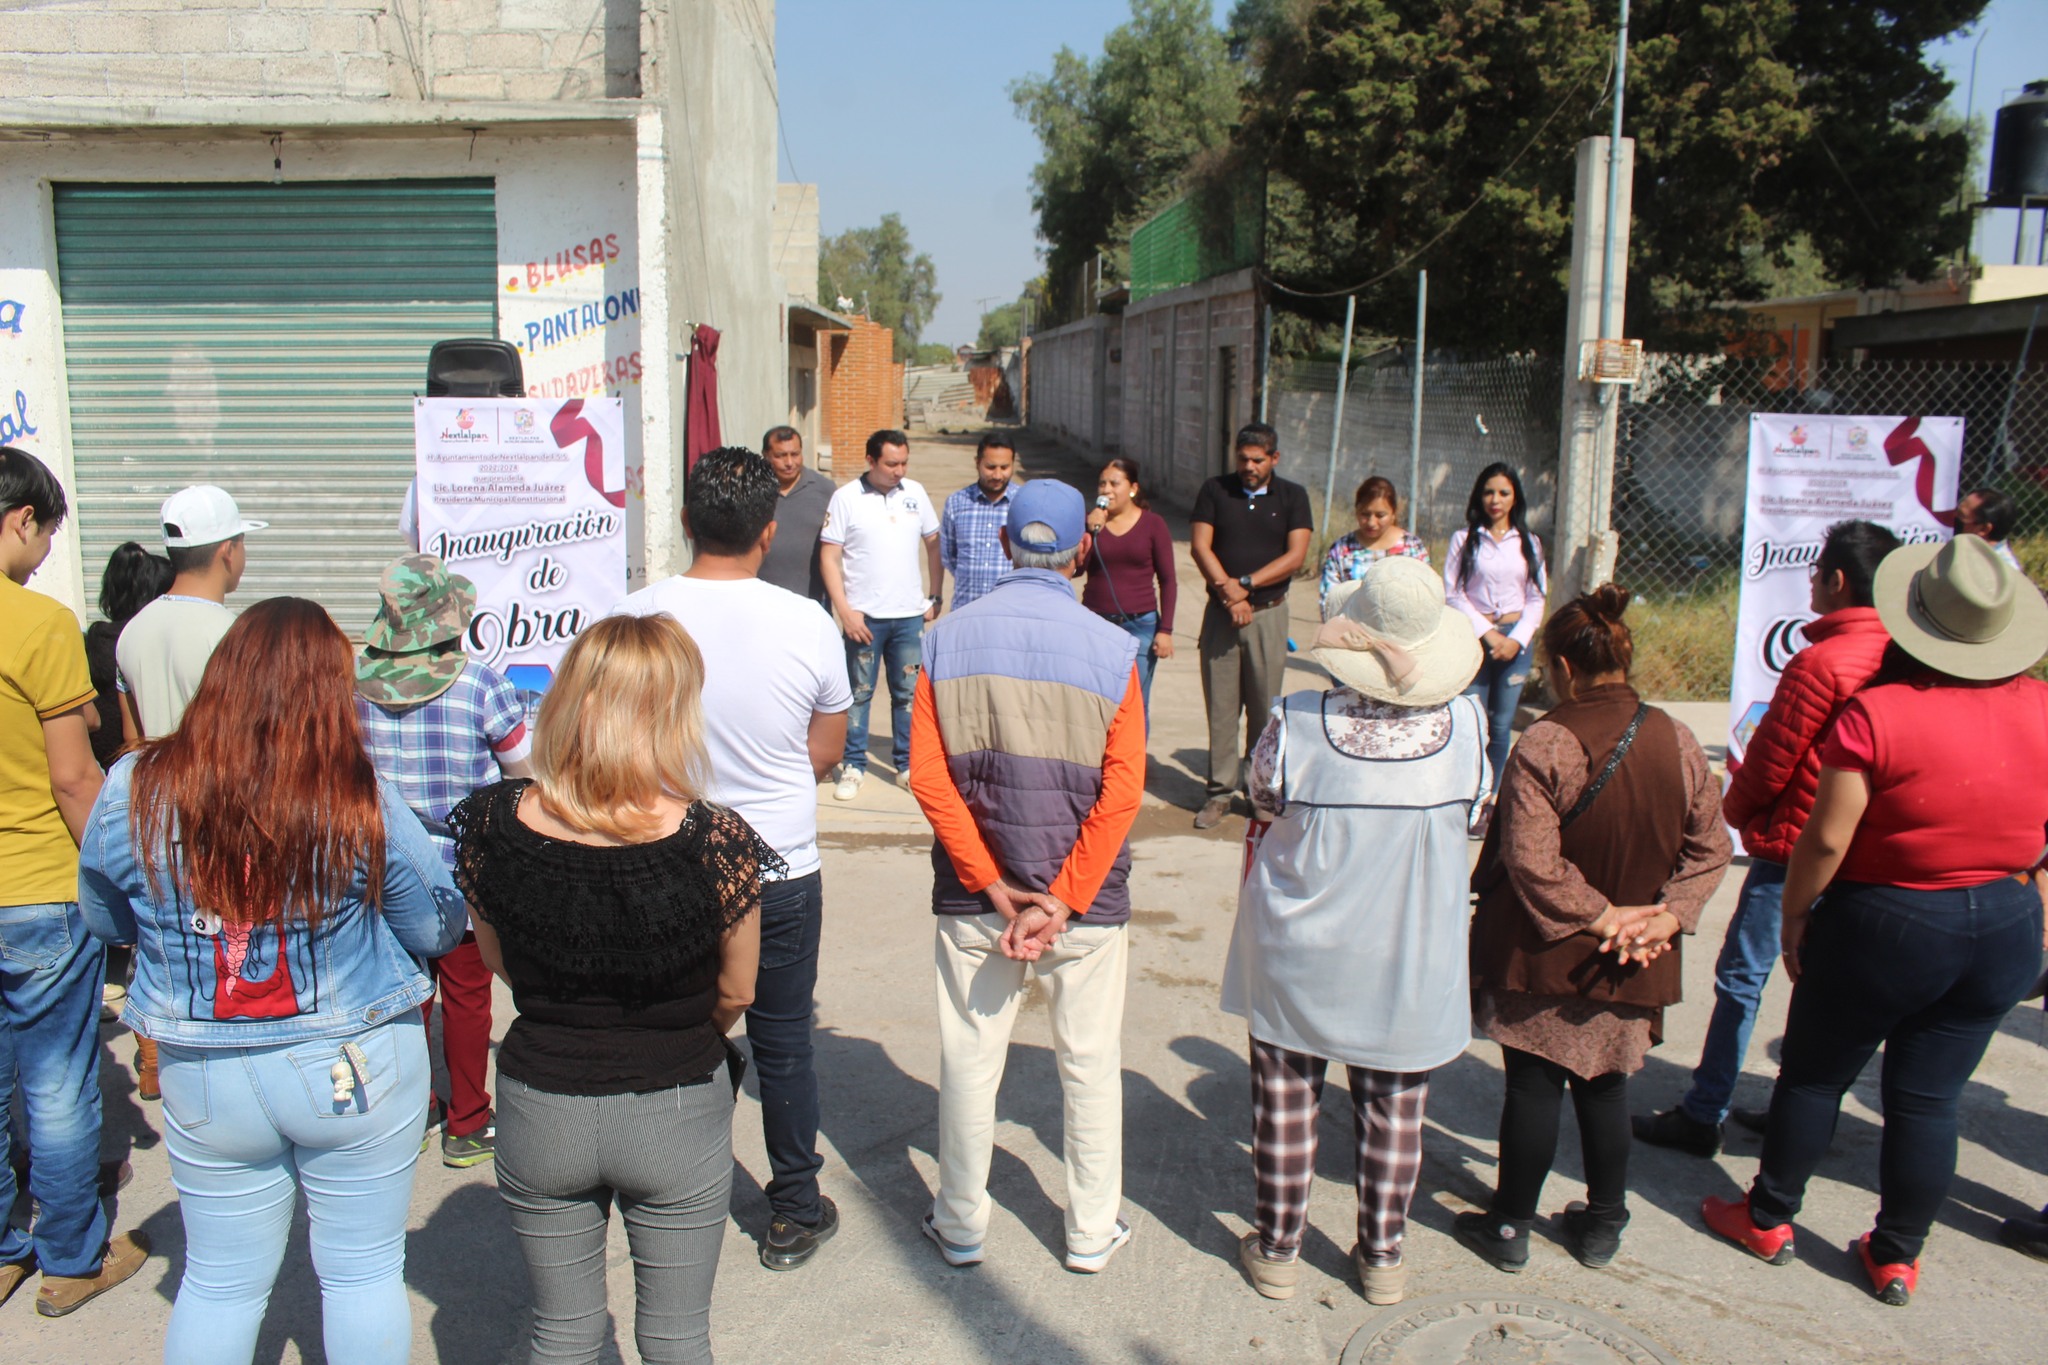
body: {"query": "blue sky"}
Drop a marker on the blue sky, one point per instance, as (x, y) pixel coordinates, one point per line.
(903, 106)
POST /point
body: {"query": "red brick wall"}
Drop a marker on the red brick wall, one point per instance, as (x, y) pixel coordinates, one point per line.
(863, 393)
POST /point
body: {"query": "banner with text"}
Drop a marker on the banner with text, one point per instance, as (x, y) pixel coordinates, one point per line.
(1805, 474)
(526, 498)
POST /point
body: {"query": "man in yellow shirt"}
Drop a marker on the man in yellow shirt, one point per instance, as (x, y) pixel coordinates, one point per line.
(50, 967)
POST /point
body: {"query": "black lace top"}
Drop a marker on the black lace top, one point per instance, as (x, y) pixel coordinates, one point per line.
(612, 952)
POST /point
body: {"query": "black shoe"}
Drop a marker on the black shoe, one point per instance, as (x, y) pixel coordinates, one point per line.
(1755, 1120)
(1502, 1243)
(789, 1243)
(1678, 1130)
(1592, 1241)
(2028, 1236)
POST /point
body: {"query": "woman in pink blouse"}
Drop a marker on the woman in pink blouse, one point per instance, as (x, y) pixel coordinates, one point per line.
(1493, 572)
(1608, 844)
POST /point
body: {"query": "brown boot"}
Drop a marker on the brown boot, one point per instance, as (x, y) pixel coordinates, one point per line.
(63, 1294)
(12, 1275)
(145, 1069)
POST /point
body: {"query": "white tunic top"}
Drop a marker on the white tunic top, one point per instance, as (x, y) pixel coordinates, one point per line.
(1350, 941)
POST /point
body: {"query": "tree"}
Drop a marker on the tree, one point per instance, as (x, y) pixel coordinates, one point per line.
(933, 353)
(1402, 134)
(876, 268)
(1000, 326)
(1118, 134)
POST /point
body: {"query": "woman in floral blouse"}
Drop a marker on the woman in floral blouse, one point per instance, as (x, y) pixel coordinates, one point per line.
(1378, 536)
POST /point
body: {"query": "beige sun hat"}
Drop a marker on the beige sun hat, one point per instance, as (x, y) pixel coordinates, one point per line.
(1957, 607)
(1391, 637)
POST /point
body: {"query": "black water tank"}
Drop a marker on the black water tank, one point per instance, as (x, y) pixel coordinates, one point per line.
(2019, 149)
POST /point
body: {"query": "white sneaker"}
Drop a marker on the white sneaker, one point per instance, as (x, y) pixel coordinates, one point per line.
(1088, 1262)
(849, 783)
(955, 1254)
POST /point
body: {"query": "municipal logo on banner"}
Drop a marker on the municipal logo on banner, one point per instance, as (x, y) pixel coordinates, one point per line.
(1806, 473)
(526, 498)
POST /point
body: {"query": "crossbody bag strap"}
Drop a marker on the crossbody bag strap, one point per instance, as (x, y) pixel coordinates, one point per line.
(1628, 739)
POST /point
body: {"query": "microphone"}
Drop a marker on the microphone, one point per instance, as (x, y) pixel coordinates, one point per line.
(1102, 502)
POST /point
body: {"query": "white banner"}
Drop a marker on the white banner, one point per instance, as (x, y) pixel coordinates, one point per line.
(526, 498)
(1806, 474)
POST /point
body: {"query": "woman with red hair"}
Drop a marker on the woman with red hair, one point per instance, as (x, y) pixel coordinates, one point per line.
(282, 898)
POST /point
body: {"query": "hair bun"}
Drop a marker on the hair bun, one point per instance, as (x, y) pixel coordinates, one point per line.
(1607, 602)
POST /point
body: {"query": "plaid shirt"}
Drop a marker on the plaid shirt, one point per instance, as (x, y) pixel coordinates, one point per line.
(438, 751)
(968, 548)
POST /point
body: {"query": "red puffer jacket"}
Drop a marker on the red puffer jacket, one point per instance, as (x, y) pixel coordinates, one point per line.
(1771, 794)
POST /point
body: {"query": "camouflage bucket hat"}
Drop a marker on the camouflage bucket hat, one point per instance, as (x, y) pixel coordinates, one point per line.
(413, 651)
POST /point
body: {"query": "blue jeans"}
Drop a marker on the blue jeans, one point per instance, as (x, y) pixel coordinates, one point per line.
(1928, 975)
(1498, 686)
(50, 975)
(1142, 629)
(1747, 955)
(895, 651)
(245, 1128)
(779, 1033)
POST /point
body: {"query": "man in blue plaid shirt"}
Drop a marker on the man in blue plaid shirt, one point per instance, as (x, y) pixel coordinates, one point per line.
(438, 725)
(968, 548)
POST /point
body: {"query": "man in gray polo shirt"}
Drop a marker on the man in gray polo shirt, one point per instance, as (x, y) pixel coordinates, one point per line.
(792, 559)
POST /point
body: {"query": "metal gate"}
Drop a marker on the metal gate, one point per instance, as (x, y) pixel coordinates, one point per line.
(266, 338)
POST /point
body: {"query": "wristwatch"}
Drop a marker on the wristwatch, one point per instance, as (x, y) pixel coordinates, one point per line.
(1245, 581)
(933, 601)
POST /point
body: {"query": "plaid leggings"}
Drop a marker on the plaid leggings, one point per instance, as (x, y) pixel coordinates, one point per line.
(1386, 1109)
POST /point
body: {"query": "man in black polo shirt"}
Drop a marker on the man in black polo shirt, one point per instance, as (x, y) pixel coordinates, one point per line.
(1249, 535)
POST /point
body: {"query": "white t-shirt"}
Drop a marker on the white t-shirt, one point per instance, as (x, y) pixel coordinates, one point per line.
(883, 535)
(161, 654)
(771, 659)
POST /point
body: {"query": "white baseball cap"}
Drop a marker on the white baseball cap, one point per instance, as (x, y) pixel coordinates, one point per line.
(203, 515)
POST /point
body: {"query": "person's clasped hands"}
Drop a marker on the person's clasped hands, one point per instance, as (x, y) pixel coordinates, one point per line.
(1034, 918)
(1635, 933)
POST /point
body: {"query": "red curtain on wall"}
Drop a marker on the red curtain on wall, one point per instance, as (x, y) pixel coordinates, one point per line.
(700, 419)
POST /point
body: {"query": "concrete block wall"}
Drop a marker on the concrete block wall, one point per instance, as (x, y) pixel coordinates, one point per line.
(863, 393)
(1072, 382)
(529, 50)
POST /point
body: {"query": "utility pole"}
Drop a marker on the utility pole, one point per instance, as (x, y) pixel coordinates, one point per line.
(1415, 409)
(1584, 544)
(1337, 419)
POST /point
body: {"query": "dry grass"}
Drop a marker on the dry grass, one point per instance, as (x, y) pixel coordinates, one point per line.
(1685, 647)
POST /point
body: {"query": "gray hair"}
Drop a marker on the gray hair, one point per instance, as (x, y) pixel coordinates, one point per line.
(1021, 558)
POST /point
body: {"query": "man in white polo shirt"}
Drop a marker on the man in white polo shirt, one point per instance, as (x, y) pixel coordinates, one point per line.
(164, 648)
(869, 556)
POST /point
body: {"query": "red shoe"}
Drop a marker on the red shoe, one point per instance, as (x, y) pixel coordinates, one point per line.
(1730, 1218)
(1893, 1284)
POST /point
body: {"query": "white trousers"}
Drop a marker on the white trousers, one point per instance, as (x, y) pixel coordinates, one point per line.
(1082, 976)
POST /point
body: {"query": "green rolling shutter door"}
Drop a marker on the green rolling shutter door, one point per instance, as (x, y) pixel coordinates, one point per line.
(269, 339)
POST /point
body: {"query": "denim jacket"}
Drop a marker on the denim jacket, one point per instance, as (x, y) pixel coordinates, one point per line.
(236, 987)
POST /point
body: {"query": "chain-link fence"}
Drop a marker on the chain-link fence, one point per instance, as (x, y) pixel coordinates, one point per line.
(1473, 414)
(1681, 463)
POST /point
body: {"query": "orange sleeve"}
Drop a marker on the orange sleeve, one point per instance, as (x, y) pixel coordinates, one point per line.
(1109, 822)
(931, 782)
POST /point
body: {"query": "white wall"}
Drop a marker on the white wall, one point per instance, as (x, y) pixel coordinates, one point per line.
(554, 193)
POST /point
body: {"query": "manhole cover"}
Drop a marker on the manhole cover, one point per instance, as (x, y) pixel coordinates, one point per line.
(1454, 1330)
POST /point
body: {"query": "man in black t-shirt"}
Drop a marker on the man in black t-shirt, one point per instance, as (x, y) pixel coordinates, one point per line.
(1250, 533)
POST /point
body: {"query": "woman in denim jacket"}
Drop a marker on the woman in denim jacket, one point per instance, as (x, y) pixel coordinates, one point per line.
(281, 899)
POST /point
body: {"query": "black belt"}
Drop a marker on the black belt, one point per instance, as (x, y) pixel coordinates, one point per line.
(1125, 618)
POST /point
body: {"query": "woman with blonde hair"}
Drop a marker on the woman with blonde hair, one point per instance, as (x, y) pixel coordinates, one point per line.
(623, 911)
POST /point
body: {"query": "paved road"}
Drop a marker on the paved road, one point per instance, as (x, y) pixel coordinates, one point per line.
(879, 1293)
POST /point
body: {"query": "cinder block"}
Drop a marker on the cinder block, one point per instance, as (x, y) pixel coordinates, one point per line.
(271, 33)
(64, 74)
(345, 34)
(202, 34)
(448, 51)
(216, 77)
(469, 85)
(373, 77)
(142, 77)
(547, 16)
(575, 49)
(546, 85)
(311, 75)
(46, 31)
(506, 51)
(109, 33)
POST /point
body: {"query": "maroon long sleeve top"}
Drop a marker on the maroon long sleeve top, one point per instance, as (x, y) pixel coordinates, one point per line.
(1122, 571)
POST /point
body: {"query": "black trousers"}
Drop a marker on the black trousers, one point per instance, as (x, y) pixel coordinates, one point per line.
(1928, 974)
(1528, 1136)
